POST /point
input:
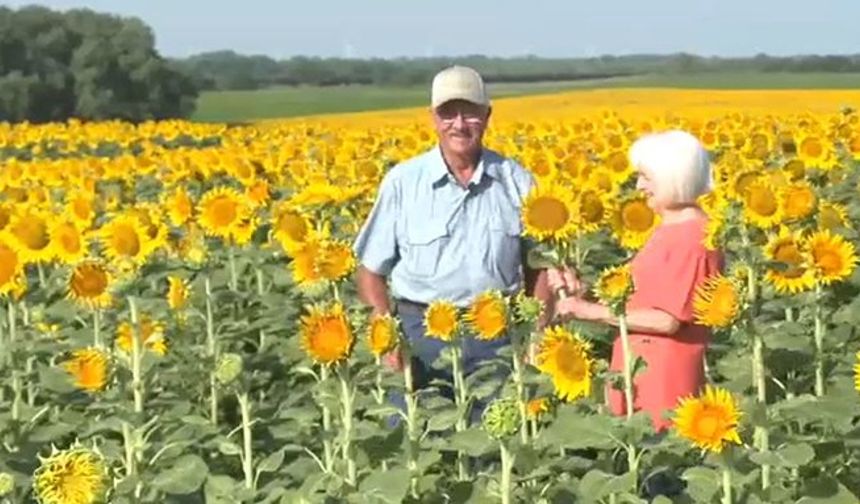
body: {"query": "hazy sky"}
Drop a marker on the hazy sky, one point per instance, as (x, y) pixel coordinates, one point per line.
(388, 28)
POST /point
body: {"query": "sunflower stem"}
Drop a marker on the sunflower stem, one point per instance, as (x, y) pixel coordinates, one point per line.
(461, 397)
(761, 434)
(136, 358)
(212, 350)
(819, 342)
(260, 285)
(346, 397)
(379, 395)
(16, 378)
(234, 277)
(507, 472)
(411, 418)
(727, 486)
(97, 337)
(41, 270)
(628, 364)
(247, 439)
(31, 385)
(328, 450)
(517, 361)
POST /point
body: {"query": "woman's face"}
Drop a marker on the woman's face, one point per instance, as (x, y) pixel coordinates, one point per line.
(658, 198)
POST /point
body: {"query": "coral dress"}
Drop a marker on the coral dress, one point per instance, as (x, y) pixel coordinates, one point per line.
(666, 273)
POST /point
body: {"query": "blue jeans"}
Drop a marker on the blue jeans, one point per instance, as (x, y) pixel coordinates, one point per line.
(426, 350)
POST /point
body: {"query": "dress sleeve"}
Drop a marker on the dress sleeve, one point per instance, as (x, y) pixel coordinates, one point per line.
(671, 282)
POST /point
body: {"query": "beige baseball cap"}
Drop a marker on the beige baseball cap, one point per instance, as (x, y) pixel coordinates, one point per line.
(458, 83)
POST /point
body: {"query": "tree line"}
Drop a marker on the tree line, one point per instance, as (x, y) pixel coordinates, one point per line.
(228, 70)
(80, 63)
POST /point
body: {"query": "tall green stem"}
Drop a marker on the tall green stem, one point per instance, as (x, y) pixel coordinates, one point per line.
(628, 364)
(234, 277)
(519, 381)
(247, 439)
(16, 377)
(461, 397)
(507, 472)
(411, 418)
(136, 358)
(727, 486)
(761, 434)
(97, 337)
(346, 398)
(819, 342)
(212, 353)
(328, 450)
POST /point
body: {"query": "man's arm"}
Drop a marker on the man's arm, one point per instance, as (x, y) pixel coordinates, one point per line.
(373, 290)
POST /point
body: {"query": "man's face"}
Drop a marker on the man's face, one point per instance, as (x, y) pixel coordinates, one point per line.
(460, 125)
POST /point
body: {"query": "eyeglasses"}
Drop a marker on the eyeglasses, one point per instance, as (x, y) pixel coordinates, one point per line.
(468, 117)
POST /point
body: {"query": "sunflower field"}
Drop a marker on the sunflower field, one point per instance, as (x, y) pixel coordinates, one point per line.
(180, 323)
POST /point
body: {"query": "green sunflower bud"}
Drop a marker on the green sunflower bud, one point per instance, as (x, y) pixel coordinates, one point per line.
(527, 309)
(7, 484)
(229, 368)
(501, 419)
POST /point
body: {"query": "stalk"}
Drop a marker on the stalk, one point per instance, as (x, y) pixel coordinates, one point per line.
(247, 446)
(628, 364)
(411, 419)
(136, 359)
(819, 342)
(212, 351)
(234, 277)
(507, 470)
(521, 391)
(16, 377)
(761, 434)
(460, 396)
(727, 486)
(346, 397)
(328, 450)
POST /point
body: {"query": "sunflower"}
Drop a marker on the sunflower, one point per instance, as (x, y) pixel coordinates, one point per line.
(633, 221)
(738, 187)
(487, 315)
(710, 420)
(382, 334)
(832, 215)
(125, 242)
(762, 205)
(290, 227)
(334, 260)
(29, 231)
(792, 276)
(177, 292)
(179, 206)
(74, 476)
(221, 210)
(81, 208)
(11, 269)
(548, 213)
(69, 243)
(326, 334)
(591, 209)
(832, 257)
(536, 408)
(150, 332)
(258, 193)
(798, 200)
(817, 151)
(89, 284)
(614, 285)
(89, 367)
(440, 320)
(717, 302)
(564, 356)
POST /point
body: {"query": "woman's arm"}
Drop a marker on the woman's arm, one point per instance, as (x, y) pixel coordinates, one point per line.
(647, 320)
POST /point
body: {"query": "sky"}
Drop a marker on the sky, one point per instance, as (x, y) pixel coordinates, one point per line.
(548, 28)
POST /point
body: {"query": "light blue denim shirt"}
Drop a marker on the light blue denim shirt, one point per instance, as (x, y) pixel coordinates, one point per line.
(439, 240)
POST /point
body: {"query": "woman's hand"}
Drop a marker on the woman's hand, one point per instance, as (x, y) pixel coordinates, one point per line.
(578, 308)
(565, 280)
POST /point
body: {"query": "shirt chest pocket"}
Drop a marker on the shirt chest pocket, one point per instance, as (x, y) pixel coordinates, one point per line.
(505, 247)
(426, 243)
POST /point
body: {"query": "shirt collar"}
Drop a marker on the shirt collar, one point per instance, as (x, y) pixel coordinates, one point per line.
(440, 173)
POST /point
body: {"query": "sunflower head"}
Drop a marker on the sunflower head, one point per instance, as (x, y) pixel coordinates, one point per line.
(487, 315)
(790, 273)
(614, 286)
(538, 407)
(89, 284)
(74, 476)
(11, 269)
(441, 320)
(548, 213)
(832, 216)
(150, 333)
(798, 200)
(633, 221)
(717, 302)
(564, 356)
(221, 211)
(177, 292)
(382, 334)
(501, 419)
(527, 309)
(228, 368)
(326, 334)
(89, 367)
(762, 205)
(710, 420)
(831, 256)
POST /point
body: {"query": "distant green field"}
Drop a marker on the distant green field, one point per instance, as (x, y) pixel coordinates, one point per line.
(231, 106)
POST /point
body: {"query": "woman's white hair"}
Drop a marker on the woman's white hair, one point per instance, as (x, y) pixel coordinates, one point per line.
(678, 162)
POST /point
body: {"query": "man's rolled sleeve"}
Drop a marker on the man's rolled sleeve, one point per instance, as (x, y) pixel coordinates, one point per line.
(375, 246)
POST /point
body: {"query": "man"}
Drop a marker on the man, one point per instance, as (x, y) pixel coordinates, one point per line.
(446, 225)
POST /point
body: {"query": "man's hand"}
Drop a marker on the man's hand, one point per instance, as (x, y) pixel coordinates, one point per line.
(564, 280)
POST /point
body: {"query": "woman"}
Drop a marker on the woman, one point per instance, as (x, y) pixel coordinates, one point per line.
(673, 171)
